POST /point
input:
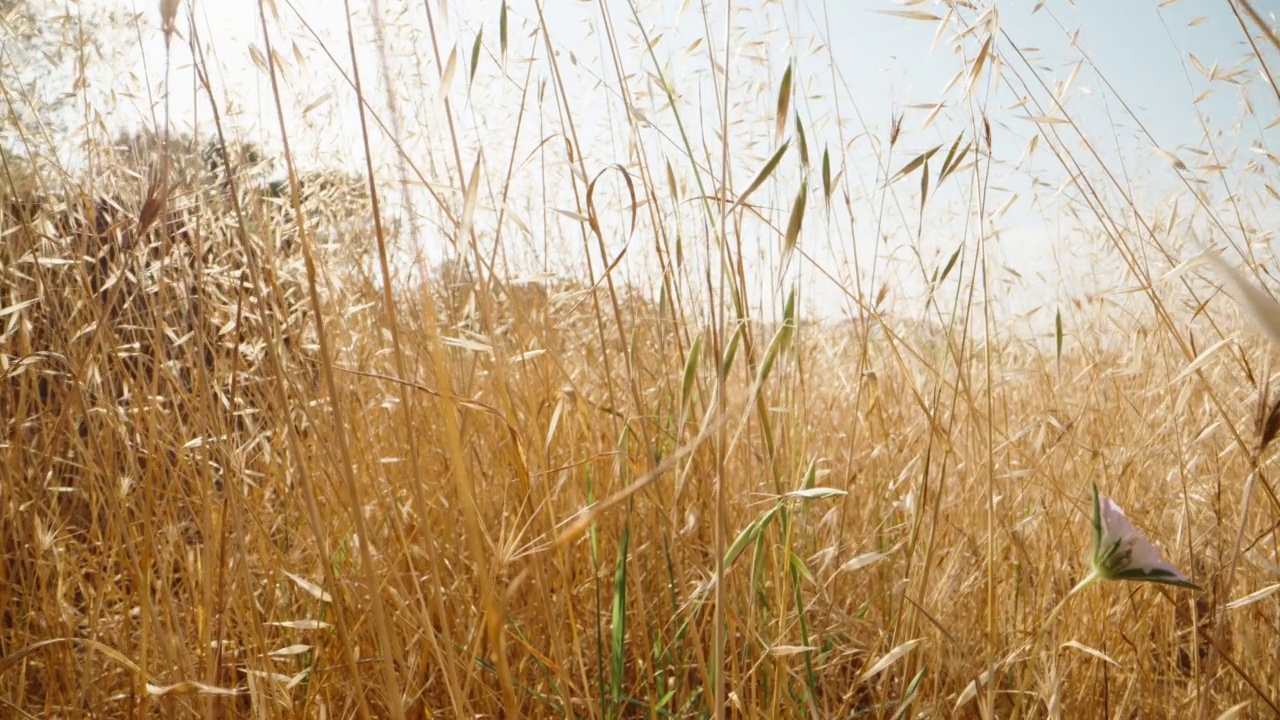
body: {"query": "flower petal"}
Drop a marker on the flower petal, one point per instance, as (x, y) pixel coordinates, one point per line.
(1115, 526)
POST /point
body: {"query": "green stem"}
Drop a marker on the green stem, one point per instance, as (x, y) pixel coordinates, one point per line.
(1088, 580)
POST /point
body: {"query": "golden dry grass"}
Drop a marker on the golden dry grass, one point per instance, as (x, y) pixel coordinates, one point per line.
(256, 466)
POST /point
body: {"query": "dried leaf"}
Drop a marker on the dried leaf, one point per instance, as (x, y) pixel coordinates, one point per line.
(446, 78)
(1234, 711)
(311, 588)
(785, 650)
(890, 658)
(18, 306)
(258, 58)
(502, 29)
(317, 103)
(862, 561)
(911, 15)
(816, 493)
(1252, 597)
(978, 64)
(475, 57)
(189, 687)
(826, 175)
(794, 224)
(763, 175)
(302, 624)
(914, 163)
(1090, 651)
(784, 104)
(466, 344)
(572, 215)
(802, 142)
(1172, 159)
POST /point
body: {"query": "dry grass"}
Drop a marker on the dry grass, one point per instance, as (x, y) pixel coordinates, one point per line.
(260, 459)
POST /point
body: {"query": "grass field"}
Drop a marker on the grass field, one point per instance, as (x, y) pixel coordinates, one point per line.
(587, 450)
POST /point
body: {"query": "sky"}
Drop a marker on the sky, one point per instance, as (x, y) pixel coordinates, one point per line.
(1134, 96)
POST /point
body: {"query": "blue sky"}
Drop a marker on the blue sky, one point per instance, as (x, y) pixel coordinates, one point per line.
(857, 65)
(859, 61)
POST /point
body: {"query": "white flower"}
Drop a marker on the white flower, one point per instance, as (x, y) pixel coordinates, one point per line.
(1122, 552)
